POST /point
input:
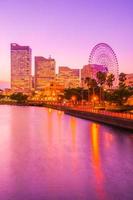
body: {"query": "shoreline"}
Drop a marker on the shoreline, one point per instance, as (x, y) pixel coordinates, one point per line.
(99, 117)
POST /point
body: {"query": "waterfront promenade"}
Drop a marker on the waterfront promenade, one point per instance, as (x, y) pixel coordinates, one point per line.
(119, 119)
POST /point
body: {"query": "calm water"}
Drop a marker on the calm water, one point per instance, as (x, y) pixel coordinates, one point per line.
(45, 154)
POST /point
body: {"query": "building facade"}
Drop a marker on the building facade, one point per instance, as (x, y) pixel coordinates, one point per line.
(44, 72)
(67, 71)
(91, 70)
(69, 77)
(20, 68)
(129, 80)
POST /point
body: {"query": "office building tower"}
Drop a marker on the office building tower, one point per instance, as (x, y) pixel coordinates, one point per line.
(44, 72)
(21, 80)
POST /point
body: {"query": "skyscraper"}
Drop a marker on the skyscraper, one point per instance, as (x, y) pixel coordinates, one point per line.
(44, 72)
(69, 76)
(91, 70)
(21, 79)
(64, 70)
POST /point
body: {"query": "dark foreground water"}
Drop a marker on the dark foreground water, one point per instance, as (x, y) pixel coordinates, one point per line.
(45, 155)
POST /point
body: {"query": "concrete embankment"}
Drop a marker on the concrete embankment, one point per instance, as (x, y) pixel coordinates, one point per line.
(110, 120)
(98, 117)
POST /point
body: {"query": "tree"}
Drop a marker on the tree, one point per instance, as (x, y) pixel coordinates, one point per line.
(122, 93)
(119, 96)
(88, 83)
(93, 85)
(122, 79)
(101, 79)
(2, 96)
(68, 93)
(19, 97)
(110, 79)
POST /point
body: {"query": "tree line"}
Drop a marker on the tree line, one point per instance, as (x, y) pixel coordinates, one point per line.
(102, 87)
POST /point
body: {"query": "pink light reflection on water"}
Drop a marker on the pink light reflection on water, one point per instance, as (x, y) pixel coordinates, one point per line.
(45, 154)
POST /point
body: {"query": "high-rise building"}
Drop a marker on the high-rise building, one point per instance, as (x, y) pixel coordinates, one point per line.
(44, 72)
(20, 68)
(67, 71)
(76, 72)
(69, 76)
(91, 70)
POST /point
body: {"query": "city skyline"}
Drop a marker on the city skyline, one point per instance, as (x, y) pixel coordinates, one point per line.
(66, 99)
(66, 30)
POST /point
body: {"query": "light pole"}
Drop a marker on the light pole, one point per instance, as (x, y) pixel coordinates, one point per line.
(94, 99)
(74, 99)
(82, 92)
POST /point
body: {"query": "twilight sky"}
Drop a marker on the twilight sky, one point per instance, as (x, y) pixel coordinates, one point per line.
(67, 30)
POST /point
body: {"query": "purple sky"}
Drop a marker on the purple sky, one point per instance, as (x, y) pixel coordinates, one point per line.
(66, 29)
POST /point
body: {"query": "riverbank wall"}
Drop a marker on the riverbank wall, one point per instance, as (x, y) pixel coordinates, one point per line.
(109, 120)
(97, 117)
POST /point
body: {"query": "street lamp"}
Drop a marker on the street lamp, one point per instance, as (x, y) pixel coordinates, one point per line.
(73, 99)
(82, 92)
(94, 99)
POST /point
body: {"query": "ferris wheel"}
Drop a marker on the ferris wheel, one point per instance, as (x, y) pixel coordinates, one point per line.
(103, 54)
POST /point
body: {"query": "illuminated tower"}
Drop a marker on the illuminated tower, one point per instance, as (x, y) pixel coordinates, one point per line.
(21, 80)
(44, 72)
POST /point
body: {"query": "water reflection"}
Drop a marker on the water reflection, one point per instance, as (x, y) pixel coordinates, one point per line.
(59, 123)
(108, 140)
(49, 124)
(73, 125)
(45, 154)
(96, 160)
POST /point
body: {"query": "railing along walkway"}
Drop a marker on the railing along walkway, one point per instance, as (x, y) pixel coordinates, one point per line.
(104, 112)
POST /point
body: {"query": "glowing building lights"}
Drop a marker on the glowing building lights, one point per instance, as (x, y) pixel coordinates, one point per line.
(21, 80)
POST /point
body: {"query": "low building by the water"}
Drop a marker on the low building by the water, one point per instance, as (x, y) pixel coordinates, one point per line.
(130, 101)
(129, 80)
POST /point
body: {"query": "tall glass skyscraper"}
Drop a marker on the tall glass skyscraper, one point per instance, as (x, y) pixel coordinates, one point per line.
(44, 72)
(21, 80)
